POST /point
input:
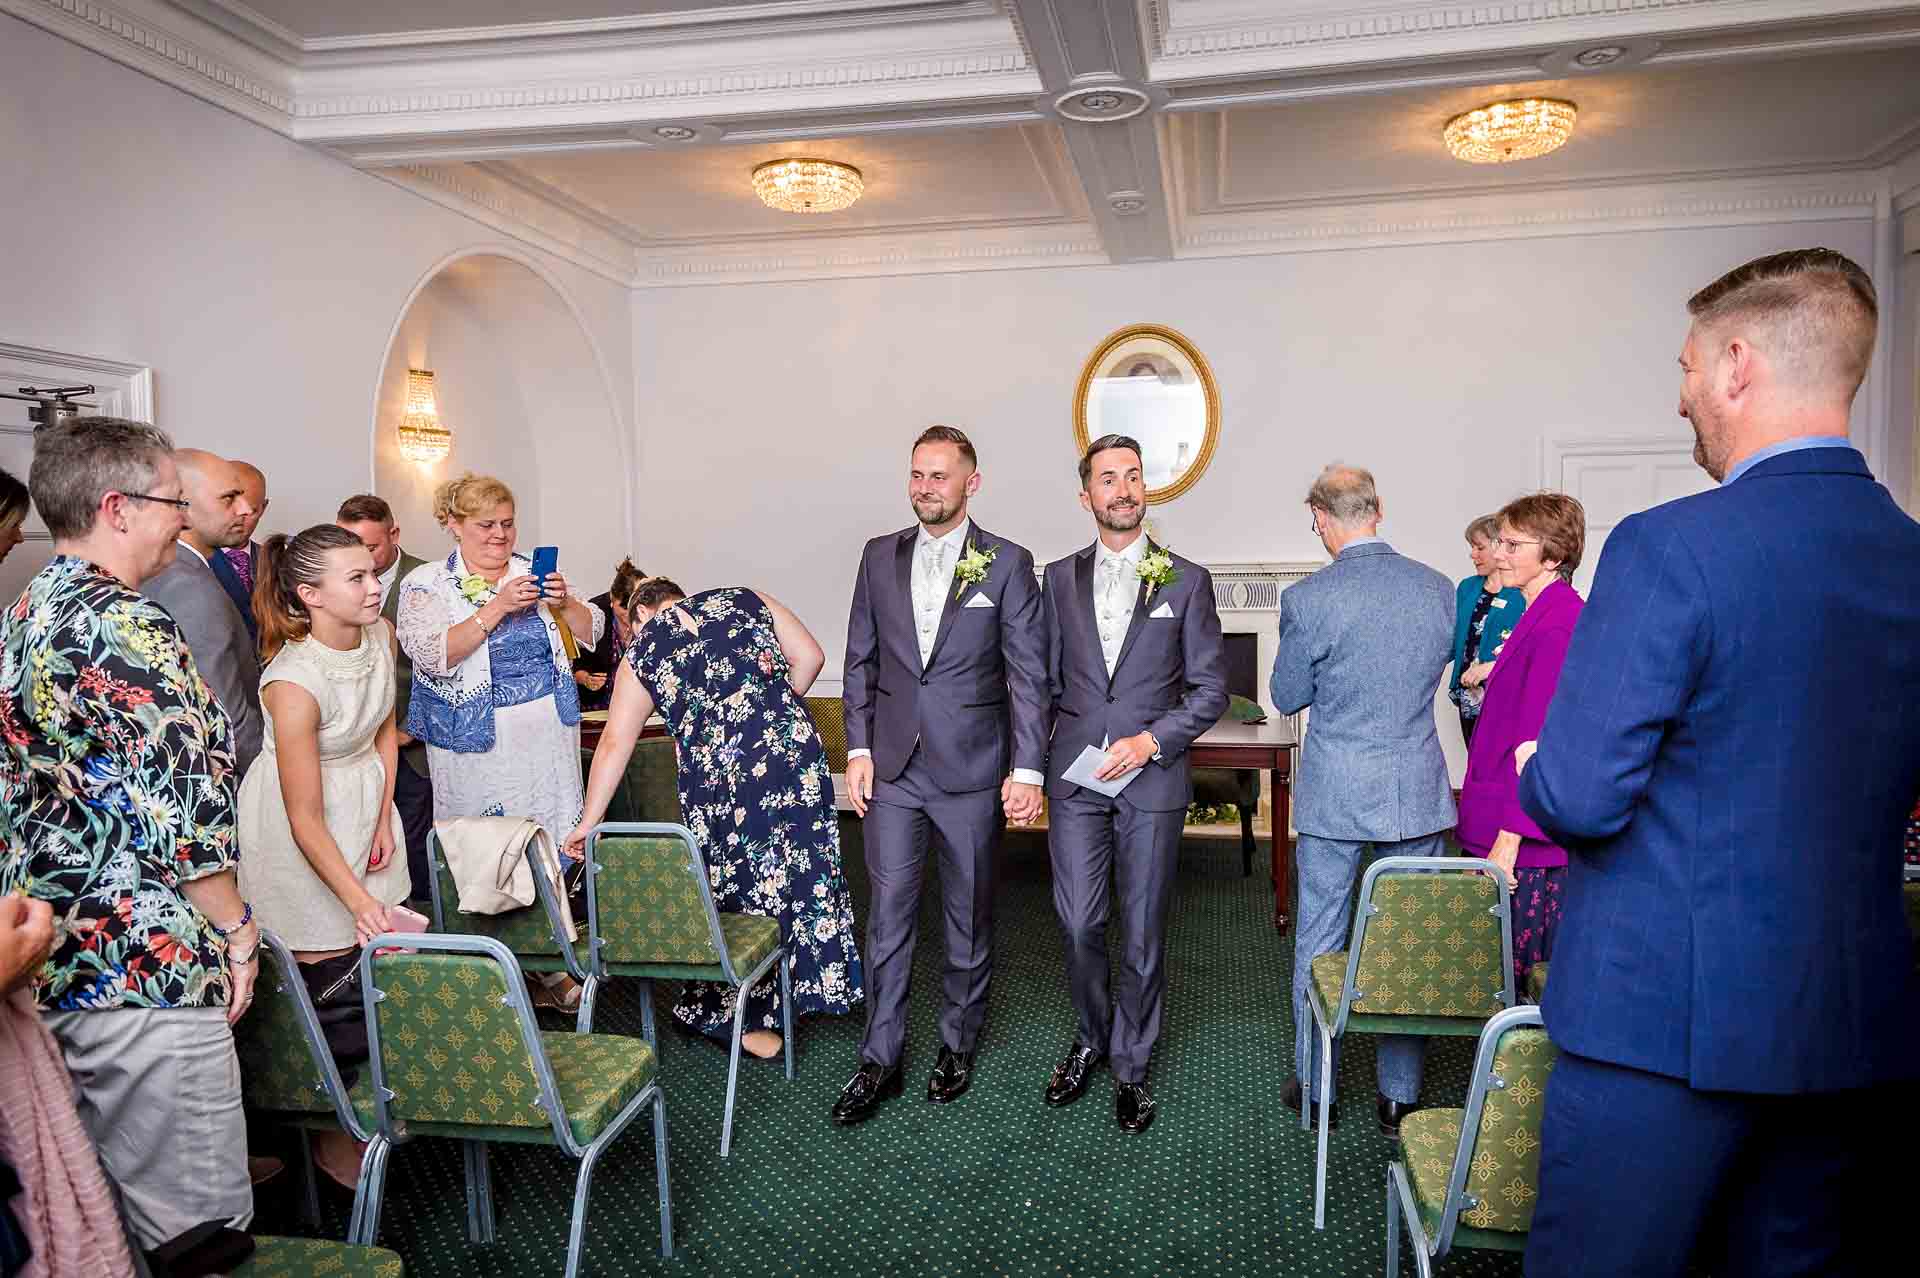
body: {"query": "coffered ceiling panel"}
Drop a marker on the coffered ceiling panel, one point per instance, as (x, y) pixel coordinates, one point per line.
(997, 176)
(343, 19)
(1818, 112)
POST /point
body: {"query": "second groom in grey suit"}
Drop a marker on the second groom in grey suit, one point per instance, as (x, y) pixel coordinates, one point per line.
(1364, 641)
(207, 612)
(1137, 668)
(945, 698)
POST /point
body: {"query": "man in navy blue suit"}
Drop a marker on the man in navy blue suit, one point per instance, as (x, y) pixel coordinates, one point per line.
(1729, 757)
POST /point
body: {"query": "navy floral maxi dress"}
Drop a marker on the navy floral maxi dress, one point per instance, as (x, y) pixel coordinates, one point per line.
(757, 794)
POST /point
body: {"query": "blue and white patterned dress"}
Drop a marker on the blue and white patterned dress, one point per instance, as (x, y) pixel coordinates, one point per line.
(757, 794)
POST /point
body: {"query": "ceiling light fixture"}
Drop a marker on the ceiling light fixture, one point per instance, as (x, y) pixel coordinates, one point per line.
(804, 185)
(1520, 129)
(422, 438)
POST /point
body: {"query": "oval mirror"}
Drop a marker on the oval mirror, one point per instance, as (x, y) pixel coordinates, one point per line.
(1153, 384)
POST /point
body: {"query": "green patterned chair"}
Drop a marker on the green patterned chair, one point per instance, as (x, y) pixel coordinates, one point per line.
(288, 1076)
(316, 1258)
(653, 919)
(1432, 954)
(534, 934)
(458, 1054)
(649, 790)
(1471, 1177)
(830, 720)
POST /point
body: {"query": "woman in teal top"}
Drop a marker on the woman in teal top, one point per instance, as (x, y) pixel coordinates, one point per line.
(1484, 615)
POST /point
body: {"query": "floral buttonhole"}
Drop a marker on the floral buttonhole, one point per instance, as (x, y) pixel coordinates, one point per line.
(1156, 571)
(972, 568)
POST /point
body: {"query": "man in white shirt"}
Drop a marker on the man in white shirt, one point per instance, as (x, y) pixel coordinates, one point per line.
(945, 695)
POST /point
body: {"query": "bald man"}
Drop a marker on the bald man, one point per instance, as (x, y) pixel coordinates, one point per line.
(245, 557)
(205, 597)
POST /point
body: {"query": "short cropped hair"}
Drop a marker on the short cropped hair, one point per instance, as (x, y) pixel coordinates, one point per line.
(1101, 445)
(1485, 528)
(363, 508)
(950, 435)
(1559, 521)
(79, 460)
(1347, 493)
(1812, 312)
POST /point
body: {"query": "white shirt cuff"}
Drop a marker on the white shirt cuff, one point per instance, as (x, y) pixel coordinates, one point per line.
(1027, 776)
(861, 753)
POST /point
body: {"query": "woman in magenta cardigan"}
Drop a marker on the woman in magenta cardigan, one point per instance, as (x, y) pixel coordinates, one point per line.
(1539, 546)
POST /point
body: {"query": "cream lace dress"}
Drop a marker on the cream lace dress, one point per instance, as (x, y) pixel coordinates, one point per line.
(355, 694)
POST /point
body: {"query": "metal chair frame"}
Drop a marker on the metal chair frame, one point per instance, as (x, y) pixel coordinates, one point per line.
(480, 1219)
(543, 897)
(1401, 1203)
(1501, 908)
(697, 867)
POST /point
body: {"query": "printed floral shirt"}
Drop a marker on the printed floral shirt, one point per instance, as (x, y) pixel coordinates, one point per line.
(116, 786)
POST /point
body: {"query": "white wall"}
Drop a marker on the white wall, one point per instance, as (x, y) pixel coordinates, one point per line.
(775, 419)
(260, 279)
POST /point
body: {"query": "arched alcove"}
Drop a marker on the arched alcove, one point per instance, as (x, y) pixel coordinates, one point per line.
(519, 384)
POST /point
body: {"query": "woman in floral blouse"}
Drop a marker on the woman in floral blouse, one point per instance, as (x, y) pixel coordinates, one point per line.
(727, 669)
(117, 805)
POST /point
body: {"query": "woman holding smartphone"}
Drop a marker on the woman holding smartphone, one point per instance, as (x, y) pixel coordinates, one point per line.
(321, 847)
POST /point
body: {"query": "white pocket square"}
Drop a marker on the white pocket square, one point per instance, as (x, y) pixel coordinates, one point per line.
(979, 601)
(1164, 610)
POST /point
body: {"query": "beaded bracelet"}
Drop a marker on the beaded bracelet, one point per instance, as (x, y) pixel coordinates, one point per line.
(246, 917)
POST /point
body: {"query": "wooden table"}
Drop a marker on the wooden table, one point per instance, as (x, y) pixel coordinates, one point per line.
(1264, 747)
(590, 730)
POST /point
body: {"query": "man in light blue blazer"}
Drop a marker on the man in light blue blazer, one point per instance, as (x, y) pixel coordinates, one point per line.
(1365, 641)
(1728, 759)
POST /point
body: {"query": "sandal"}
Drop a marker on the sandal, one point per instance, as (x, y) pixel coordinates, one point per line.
(555, 991)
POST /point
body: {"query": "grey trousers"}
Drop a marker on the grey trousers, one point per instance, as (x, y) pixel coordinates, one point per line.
(158, 1089)
(1328, 869)
(1097, 843)
(901, 820)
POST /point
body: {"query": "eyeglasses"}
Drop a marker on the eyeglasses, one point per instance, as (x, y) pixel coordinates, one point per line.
(178, 503)
(1512, 545)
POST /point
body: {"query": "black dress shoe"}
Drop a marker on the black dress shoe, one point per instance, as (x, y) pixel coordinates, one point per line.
(863, 1093)
(1291, 1099)
(1390, 1112)
(951, 1076)
(1070, 1075)
(1133, 1107)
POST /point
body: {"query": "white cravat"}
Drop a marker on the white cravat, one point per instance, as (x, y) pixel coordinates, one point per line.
(1116, 582)
(934, 561)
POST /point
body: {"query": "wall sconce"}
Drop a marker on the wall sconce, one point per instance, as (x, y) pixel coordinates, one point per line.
(422, 438)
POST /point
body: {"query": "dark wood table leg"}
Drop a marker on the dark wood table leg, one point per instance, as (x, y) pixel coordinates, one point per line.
(1282, 850)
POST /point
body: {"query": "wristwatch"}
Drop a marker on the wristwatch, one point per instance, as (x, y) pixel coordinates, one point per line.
(1156, 746)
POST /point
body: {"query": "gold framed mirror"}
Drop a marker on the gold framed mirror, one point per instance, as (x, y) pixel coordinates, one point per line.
(1150, 382)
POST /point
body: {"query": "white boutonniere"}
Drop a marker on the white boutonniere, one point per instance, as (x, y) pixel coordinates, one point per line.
(476, 590)
(1155, 571)
(972, 568)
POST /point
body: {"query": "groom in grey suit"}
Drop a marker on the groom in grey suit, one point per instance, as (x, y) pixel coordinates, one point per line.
(1364, 641)
(1137, 668)
(945, 700)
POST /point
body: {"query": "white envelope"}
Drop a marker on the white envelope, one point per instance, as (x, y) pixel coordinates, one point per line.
(1163, 611)
(1091, 759)
(978, 601)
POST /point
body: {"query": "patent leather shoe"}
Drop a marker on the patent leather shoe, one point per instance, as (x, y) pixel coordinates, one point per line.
(1070, 1076)
(1390, 1112)
(863, 1093)
(1133, 1107)
(1291, 1099)
(951, 1076)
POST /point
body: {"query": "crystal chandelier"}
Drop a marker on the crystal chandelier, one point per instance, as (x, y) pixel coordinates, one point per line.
(422, 438)
(807, 186)
(1519, 129)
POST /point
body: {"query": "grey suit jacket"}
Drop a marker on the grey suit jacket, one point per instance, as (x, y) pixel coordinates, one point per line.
(979, 707)
(1365, 641)
(1170, 679)
(222, 650)
(415, 754)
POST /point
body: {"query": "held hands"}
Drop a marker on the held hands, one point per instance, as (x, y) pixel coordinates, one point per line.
(26, 939)
(860, 782)
(1523, 752)
(1020, 799)
(1126, 755)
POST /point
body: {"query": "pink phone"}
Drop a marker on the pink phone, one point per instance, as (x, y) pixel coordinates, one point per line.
(404, 920)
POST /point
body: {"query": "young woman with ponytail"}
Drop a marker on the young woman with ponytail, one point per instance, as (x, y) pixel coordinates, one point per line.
(318, 829)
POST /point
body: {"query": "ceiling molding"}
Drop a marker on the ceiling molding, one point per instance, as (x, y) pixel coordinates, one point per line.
(511, 210)
(890, 253)
(1522, 214)
(1201, 39)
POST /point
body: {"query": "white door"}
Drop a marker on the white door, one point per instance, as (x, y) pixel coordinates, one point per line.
(1620, 477)
(120, 390)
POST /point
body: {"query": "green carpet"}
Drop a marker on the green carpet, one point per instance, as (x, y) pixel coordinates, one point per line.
(996, 1183)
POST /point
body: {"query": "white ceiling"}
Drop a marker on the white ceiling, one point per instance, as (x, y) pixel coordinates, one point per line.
(621, 132)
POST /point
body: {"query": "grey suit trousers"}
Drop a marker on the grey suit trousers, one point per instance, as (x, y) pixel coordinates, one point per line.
(902, 818)
(1095, 841)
